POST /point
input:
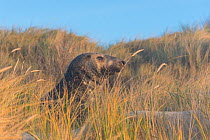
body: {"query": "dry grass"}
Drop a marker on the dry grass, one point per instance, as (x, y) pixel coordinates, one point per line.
(171, 74)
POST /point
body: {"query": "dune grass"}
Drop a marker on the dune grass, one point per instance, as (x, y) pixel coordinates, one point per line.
(172, 73)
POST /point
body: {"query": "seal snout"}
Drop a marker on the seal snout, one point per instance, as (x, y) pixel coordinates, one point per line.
(123, 62)
(119, 65)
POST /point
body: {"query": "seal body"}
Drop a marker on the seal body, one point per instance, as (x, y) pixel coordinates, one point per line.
(85, 72)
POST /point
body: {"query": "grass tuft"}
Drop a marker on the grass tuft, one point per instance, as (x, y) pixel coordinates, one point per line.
(172, 73)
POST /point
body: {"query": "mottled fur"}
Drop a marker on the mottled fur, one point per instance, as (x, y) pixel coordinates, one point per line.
(85, 72)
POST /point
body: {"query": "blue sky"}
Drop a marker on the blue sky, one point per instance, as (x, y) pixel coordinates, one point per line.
(105, 21)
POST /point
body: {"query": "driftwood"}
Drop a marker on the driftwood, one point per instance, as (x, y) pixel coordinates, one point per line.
(192, 123)
(27, 136)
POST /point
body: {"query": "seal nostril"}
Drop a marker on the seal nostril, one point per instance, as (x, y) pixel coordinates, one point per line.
(123, 62)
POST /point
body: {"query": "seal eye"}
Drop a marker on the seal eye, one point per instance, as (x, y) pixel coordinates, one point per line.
(100, 58)
(88, 56)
